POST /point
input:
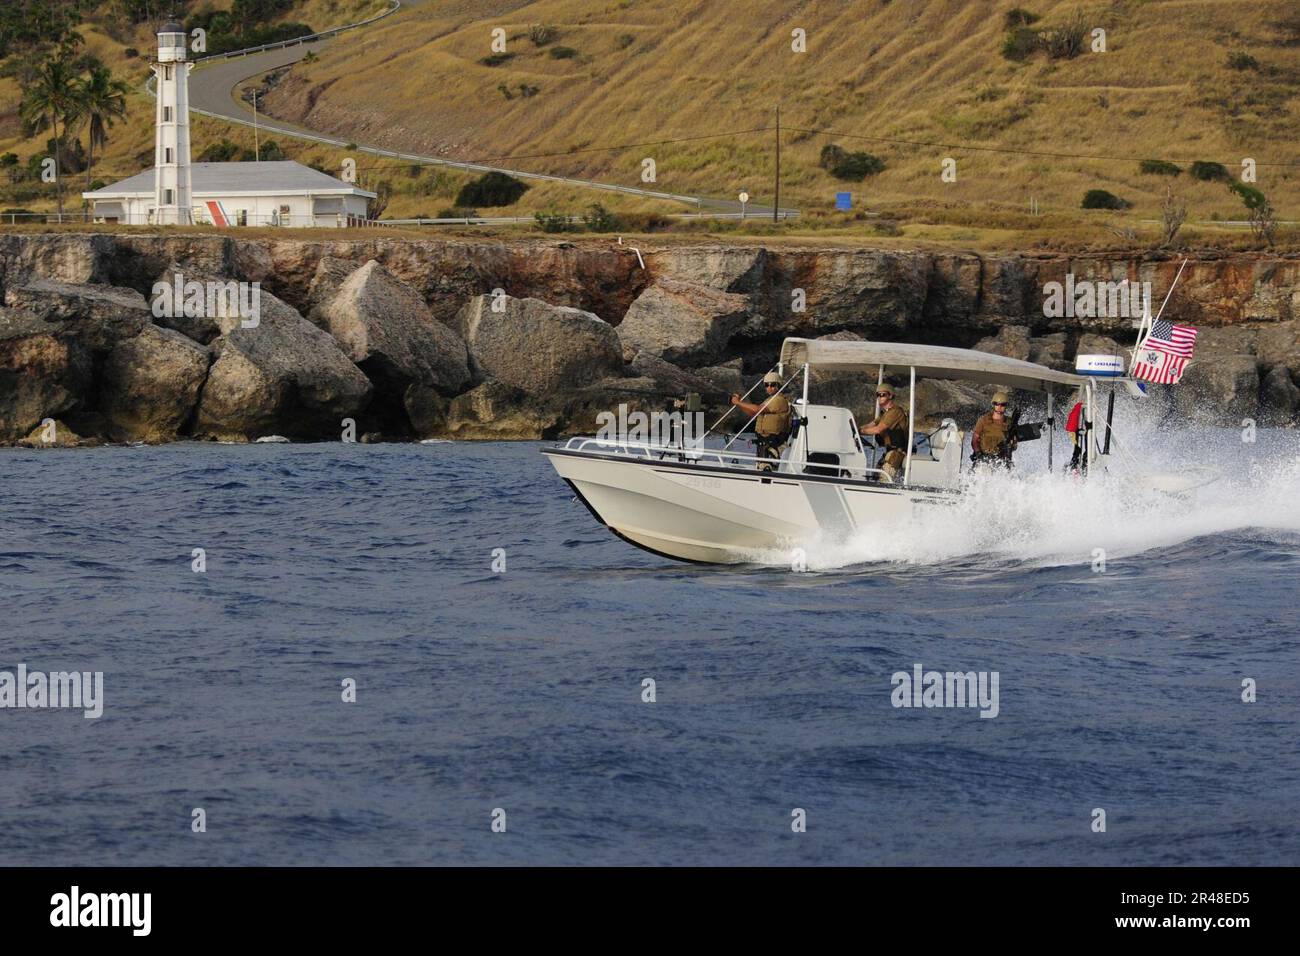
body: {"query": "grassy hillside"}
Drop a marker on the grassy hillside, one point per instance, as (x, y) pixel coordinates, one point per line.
(1180, 80)
(923, 71)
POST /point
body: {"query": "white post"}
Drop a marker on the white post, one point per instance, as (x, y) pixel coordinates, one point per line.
(805, 385)
(1087, 417)
(911, 416)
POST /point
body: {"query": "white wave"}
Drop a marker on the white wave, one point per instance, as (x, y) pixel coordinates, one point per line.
(1048, 519)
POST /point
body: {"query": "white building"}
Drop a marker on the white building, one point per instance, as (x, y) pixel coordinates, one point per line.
(178, 192)
(240, 194)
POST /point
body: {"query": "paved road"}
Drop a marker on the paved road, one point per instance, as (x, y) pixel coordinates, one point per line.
(212, 87)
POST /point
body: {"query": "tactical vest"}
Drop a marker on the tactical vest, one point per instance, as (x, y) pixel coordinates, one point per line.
(992, 434)
(774, 419)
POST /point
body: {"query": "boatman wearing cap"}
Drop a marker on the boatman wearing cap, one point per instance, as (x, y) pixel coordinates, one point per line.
(993, 439)
(891, 429)
(771, 419)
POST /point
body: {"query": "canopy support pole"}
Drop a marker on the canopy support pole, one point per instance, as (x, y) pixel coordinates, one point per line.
(1087, 412)
(1051, 427)
(911, 417)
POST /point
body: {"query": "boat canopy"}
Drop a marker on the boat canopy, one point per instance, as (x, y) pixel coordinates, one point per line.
(930, 361)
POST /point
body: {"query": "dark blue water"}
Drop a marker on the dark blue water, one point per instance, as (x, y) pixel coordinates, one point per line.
(522, 690)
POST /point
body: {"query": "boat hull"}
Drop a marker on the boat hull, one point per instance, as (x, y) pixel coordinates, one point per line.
(698, 513)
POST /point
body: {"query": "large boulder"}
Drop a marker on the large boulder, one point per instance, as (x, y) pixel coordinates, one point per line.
(1012, 341)
(1050, 350)
(44, 373)
(331, 273)
(198, 305)
(284, 377)
(149, 385)
(1280, 345)
(1223, 390)
(384, 326)
(682, 322)
(1278, 395)
(99, 315)
(496, 411)
(537, 347)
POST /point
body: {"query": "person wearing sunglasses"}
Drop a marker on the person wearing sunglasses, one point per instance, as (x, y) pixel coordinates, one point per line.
(994, 437)
(771, 420)
(891, 430)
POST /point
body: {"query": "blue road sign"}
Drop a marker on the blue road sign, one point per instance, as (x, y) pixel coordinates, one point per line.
(844, 201)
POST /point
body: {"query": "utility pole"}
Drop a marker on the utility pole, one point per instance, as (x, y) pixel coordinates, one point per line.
(777, 204)
(257, 149)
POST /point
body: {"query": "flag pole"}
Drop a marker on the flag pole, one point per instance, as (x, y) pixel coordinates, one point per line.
(1171, 289)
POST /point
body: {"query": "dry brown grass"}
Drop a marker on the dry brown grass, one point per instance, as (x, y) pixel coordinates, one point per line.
(907, 69)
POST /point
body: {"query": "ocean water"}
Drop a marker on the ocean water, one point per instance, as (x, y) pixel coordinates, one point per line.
(1118, 689)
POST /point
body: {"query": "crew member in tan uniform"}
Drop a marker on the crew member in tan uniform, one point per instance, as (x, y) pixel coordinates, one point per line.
(771, 420)
(992, 441)
(891, 430)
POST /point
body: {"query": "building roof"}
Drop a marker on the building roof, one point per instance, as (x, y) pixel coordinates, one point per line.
(238, 179)
(930, 361)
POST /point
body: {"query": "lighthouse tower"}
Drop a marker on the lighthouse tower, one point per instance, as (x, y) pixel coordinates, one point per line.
(172, 199)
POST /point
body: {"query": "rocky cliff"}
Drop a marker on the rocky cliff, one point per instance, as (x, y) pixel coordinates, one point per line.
(522, 338)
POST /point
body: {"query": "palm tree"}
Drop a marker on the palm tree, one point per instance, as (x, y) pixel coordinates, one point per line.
(103, 103)
(52, 102)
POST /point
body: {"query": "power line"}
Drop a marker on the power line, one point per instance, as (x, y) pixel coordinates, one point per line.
(1009, 150)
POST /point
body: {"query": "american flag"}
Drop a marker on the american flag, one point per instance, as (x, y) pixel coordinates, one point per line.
(1163, 354)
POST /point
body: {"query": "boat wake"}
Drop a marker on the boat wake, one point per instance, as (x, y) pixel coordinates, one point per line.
(1057, 519)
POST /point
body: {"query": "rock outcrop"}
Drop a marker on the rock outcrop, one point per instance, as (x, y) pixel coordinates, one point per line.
(682, 323)
(284, 377)
(150, 384)
(386, 329)
(536, 347)
(406, 340)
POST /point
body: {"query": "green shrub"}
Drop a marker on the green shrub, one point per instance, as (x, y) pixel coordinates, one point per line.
(599, 219)
(830, 156)
(1250, 197)
(491, 189)
(552, 221)
(1242, 61)
(1020, 43)
(563, 53)
(496, 59)
(1017, 17)
(223, 152)
(451, 212)
(1209, 172)
(857, 166)
(1101, 199)
(624, 40)
(1159, 167)
(1066, 41)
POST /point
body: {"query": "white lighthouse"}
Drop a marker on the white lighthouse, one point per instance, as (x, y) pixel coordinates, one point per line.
(172, 193)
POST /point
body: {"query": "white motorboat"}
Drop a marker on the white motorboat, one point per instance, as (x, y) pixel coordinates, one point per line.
(714, 505)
